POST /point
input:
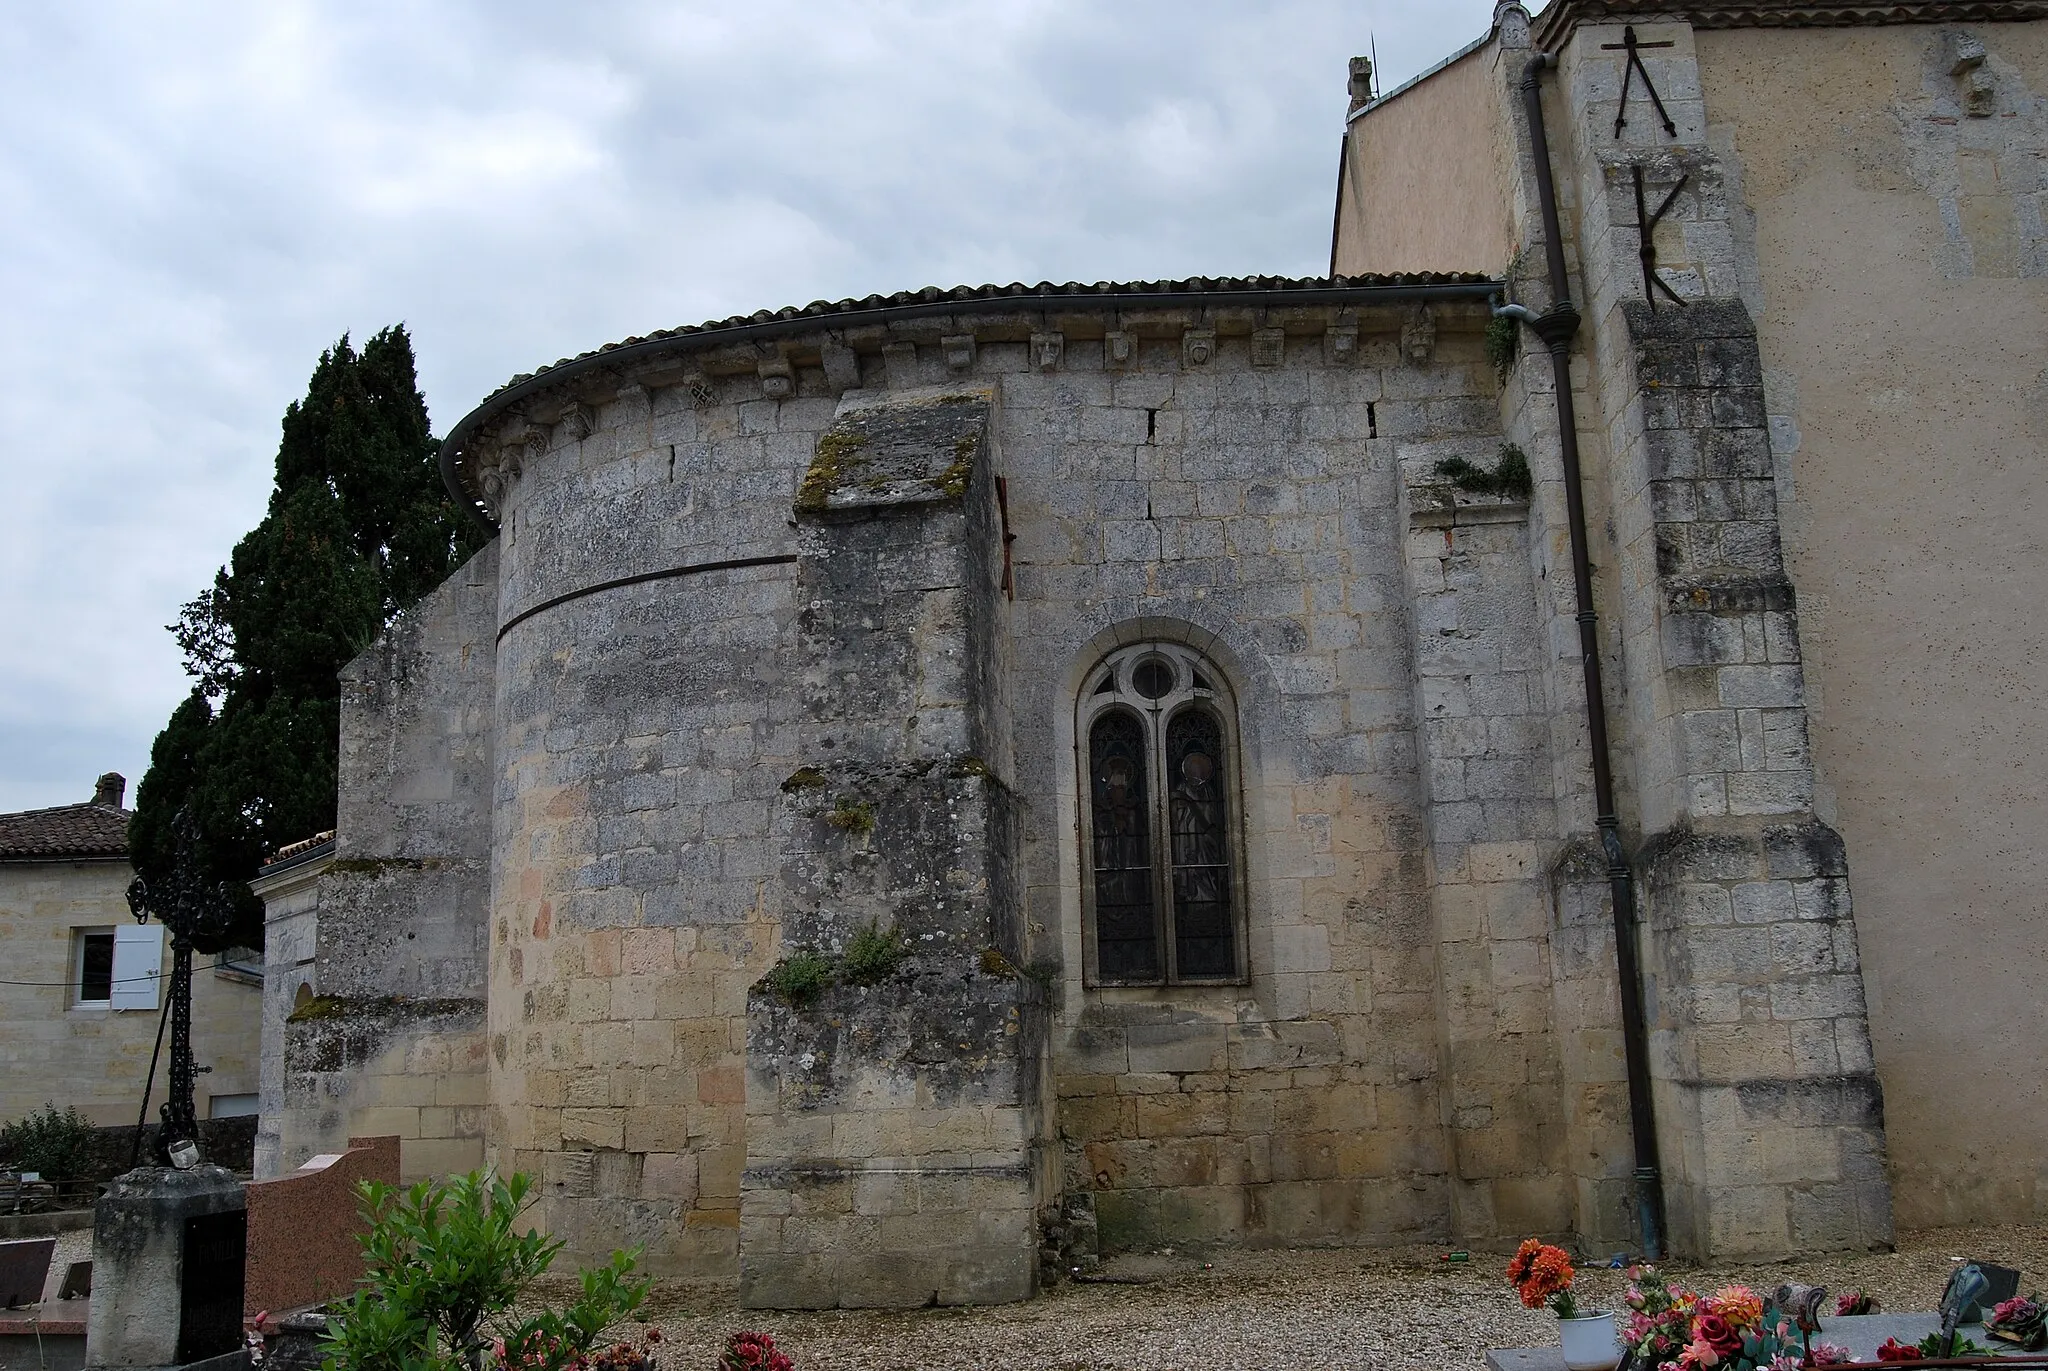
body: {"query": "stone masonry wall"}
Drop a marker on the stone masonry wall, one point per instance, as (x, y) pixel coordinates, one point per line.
(1484, 732)
(394, 919)
(1244, 501)
(895, 1126)
(643, 731)
(1228, 479)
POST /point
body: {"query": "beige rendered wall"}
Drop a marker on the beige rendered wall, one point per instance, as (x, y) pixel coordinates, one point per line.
(1423, 187)
(96, 1059)
(1900, 310)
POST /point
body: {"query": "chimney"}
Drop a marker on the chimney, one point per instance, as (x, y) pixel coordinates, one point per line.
(1360, 83)
(109, 789)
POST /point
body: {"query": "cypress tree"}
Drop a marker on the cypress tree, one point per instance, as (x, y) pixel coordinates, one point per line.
(358, 528)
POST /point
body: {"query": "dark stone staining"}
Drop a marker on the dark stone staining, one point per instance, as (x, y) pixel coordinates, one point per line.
(962, 1035)
(1805, 850)
(335, 1034)
(1715, 501)
(920, 860)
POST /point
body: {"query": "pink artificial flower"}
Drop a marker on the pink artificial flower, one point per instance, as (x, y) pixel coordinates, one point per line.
(1830, 1354)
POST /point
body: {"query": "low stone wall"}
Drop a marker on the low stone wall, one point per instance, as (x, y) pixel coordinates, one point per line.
(226, 1142)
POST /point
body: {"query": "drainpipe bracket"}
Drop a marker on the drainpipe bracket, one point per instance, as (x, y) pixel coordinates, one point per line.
(1557, 325)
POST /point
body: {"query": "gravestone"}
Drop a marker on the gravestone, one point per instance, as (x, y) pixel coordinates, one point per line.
(304, 1228)
(24, 1266)
(167, 1268)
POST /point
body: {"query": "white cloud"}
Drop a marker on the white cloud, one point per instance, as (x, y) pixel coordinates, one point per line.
(201, 198)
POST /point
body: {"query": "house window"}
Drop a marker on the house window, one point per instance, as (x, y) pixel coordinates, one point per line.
(93, 966)
(1163, 874)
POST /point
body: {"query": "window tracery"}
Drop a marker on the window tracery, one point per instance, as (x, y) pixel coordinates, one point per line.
(1162, 866)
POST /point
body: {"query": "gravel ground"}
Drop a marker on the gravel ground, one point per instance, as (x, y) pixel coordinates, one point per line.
(1235, 1310)
(1380, 1308)
(71, 1247)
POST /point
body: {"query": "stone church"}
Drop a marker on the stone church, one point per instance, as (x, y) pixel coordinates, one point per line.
(922, 785)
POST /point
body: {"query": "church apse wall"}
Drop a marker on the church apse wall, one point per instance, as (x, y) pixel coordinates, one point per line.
(1134, 660)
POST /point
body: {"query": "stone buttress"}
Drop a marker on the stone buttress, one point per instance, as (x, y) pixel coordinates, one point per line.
(1769, 1112)
(895, 1127)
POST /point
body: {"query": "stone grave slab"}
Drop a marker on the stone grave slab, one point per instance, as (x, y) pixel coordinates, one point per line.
(24, 1267)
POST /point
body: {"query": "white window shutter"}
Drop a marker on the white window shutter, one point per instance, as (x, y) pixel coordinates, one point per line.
(138, 966)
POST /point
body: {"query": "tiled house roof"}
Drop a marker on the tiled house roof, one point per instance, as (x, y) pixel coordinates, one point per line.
(67, 832)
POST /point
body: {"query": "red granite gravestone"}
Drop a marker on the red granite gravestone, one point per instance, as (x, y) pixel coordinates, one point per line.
(303, 1228)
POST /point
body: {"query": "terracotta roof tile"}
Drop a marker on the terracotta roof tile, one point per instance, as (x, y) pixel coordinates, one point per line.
(1017, 293)
(68, 831)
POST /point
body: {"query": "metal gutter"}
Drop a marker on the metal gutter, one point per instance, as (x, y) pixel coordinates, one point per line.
(627, 355)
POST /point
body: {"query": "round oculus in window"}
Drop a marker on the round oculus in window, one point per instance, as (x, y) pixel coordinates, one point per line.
(1152, 677)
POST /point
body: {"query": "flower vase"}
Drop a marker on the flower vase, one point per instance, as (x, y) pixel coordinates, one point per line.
(1590, 1342)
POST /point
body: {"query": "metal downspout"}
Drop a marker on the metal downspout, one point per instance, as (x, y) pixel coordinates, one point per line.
(1556, 326)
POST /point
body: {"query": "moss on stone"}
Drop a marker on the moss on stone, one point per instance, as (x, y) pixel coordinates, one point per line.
(994, 963)
(318, 1008)
(851, 815)
(803, 778)
(954, 479)
(837, 449)
(873, 954)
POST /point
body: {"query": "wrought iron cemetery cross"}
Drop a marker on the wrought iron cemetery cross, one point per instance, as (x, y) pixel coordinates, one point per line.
(193, 909)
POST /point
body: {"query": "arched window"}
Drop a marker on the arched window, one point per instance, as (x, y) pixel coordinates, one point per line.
(1164, 890)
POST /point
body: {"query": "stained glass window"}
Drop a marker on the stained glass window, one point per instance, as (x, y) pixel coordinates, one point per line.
(1164, 890)
(1126, 922)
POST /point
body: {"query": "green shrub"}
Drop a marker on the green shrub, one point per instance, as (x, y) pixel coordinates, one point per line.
(800, 977)
(872, 955)
(57, 1144)
(1503, 341)
(445, 1265)
(1510, 477)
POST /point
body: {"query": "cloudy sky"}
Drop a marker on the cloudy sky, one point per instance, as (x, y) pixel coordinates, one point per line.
(198, 198)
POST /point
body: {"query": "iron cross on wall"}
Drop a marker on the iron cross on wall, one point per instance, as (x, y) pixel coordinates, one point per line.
(1634, 49)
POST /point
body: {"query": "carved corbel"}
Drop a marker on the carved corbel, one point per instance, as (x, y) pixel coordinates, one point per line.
(1340, 344)
(491, 484)
(1046, 349)
(959, 351)
(899, 364)
(1119, 350)
(699, 387)
(778, 378)
(581, 419)
(1198, 347)
(1269, 347)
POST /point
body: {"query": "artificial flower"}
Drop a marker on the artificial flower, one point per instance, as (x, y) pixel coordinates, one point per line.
(1716, 1332)
(1740, 1305)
